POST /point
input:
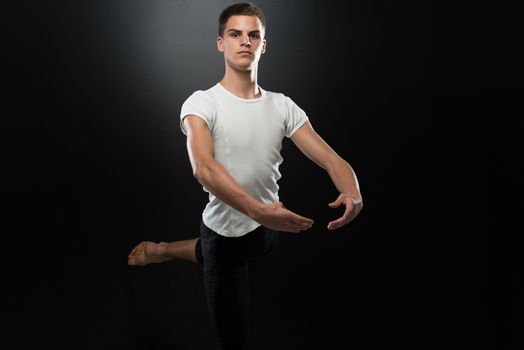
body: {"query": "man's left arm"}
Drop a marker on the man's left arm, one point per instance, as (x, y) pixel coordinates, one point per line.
(341, 173)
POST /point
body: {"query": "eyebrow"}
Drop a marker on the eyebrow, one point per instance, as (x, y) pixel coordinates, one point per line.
(239, 31)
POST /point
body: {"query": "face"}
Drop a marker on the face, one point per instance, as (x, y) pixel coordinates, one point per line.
(243, 42)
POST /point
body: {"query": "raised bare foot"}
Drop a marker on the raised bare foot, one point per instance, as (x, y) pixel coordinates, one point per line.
(147, 252)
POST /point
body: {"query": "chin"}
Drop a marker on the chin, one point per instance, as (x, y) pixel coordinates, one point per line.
(246, 66)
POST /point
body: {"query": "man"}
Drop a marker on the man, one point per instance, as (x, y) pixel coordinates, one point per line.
(234, 137)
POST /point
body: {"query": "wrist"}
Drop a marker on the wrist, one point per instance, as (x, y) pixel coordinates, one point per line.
(355, 196)
(254, 208)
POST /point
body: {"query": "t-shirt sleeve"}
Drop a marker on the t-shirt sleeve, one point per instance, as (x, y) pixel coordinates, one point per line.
(295, 117)
(201, 105)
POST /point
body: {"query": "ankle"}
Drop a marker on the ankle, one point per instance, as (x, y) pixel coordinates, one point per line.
(163, 250)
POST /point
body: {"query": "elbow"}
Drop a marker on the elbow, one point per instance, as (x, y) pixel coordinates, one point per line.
(201, 171)
(198, 172)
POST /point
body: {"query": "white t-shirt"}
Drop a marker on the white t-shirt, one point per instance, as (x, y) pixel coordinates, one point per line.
(247, 137)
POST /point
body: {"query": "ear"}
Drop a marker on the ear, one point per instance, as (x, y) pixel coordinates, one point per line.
(264, 46)
(220, 44)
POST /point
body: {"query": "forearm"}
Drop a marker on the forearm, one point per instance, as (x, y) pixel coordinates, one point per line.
(343, 177)
(216, 179)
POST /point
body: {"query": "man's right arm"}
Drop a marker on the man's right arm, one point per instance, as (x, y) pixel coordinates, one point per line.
(216, 179)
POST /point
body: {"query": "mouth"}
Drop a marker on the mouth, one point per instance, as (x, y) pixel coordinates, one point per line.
(245, 53)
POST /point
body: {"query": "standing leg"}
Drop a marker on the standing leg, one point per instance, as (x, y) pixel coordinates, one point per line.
(227, 292)
(227, 288)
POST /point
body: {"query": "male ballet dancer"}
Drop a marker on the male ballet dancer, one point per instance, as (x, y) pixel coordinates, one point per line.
(234, 136)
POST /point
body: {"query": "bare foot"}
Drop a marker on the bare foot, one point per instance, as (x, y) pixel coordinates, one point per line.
(147, 252)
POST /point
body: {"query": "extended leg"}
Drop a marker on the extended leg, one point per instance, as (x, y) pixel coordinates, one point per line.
(147, 252)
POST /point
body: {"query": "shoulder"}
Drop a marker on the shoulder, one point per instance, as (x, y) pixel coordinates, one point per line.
(275, 96)
(202, 96)
(282, 102)
(202, 104)
(279, 97)
(279, 100)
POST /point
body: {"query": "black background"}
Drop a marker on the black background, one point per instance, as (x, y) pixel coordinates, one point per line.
(414, 95)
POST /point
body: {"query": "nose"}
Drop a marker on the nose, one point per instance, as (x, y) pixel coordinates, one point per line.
(245, 41)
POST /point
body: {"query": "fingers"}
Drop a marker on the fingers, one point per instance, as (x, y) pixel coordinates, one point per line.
(293, 226)
(297, 223)
(333, 225)
(344, 219)
(292, 229)
(301, 220)
(285, 220)
(290, 226)
(337, 202)
(294, 218)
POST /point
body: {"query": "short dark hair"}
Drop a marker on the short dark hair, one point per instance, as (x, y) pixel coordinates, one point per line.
(242, 8)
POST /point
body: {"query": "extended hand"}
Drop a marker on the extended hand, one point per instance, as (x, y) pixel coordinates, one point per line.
(353, 206)
(276, 217)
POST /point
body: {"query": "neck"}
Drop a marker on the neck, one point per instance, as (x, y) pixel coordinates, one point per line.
(242, 83)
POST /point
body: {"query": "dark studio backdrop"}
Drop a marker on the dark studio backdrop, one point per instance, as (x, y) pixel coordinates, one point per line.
(94, 162)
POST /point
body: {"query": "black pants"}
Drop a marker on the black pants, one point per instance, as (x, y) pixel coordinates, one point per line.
(227, 262)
